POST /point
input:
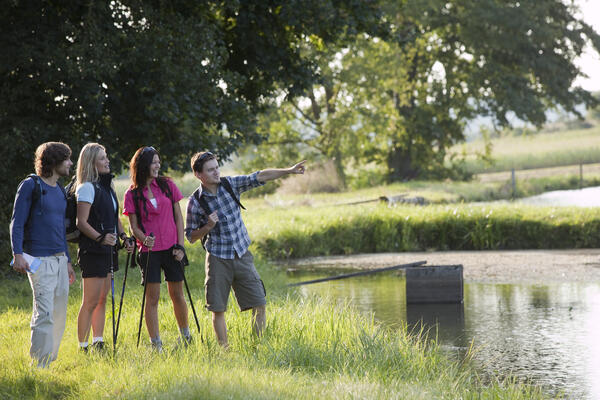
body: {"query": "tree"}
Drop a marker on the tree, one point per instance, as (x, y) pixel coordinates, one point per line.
(408, 97)
(179, 75)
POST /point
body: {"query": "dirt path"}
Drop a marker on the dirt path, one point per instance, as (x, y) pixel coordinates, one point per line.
(523, 266)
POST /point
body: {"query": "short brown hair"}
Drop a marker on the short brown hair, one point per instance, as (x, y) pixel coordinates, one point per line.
(48, 156)
(200, 158)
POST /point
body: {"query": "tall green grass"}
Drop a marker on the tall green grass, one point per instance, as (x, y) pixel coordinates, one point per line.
(305, 232)
(312, 348)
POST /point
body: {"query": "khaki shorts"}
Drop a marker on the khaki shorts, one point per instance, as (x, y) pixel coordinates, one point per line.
(239, 274)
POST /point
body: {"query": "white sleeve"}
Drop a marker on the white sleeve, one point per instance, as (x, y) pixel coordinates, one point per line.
(85, 193)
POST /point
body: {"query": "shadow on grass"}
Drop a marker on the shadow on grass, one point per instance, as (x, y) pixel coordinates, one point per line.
(15, 294)
(28, 387)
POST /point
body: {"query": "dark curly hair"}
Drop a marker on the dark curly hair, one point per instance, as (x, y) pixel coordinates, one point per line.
(48, 156)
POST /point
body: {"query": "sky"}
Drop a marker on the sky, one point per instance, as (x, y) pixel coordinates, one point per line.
(589, 62)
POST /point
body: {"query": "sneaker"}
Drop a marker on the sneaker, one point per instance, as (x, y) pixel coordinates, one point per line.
(98, 346)
(183, 342)
(157, 346)
(84, 350)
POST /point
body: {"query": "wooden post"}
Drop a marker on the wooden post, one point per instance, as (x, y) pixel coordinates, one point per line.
(514, 183)
(434, 284)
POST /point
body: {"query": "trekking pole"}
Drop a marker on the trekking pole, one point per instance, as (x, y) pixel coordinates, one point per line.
(112, 295)
(144, 295)
(131, 257)
(187, 288)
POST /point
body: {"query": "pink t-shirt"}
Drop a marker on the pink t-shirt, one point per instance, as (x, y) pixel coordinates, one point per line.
(159, 220)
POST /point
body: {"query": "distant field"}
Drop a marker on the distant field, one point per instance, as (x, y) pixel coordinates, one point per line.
(588, 170)
(536, 151)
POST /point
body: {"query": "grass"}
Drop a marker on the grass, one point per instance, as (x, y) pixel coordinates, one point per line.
(536, 151)
(304, 232)
(312, 348)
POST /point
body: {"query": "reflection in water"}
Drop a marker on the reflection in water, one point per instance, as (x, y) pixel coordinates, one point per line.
(443, 322)
(544, 334)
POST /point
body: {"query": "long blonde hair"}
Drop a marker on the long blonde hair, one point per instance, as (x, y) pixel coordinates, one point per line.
(86, 164)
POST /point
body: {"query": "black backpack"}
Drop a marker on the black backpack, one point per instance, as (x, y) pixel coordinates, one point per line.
(204, 204)
(71, 212)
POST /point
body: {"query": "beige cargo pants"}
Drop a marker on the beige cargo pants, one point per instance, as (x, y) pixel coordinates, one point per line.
(50, 286)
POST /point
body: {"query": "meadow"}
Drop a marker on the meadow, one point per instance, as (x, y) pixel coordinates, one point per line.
(312, 348)
(567, 147)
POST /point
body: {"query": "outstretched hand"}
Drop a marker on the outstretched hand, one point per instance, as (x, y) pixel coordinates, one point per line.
(298, 168)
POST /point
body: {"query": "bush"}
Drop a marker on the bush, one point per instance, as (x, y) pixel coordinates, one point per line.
(372, 229)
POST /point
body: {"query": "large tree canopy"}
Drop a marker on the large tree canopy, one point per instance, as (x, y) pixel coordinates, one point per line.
(180, 75)
(404, 101)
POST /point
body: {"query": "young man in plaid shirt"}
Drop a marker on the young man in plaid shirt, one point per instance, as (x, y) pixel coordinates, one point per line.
(214, 211)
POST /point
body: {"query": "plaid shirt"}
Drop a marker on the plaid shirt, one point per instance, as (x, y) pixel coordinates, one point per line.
(229, 236)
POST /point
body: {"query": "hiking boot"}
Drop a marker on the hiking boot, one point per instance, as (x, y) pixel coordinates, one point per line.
(183, 342)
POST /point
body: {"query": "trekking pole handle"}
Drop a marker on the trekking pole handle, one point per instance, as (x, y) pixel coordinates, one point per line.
(151, 235)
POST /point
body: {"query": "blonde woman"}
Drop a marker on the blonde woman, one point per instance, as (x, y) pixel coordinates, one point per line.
(99, 226)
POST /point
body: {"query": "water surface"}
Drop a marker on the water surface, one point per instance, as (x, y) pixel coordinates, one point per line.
(547, 335)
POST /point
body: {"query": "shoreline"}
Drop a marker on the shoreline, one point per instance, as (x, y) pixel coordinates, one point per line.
(489, 266)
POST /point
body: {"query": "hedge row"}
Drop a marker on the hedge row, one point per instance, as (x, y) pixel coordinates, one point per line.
(347, 230)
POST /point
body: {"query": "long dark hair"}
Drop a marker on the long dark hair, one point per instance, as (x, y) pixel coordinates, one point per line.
(139, 171)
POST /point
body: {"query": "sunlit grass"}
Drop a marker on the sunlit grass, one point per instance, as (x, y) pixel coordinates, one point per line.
(312, 348)
(305, 231)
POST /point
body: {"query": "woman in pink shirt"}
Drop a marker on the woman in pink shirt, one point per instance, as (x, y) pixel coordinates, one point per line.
(152, 206)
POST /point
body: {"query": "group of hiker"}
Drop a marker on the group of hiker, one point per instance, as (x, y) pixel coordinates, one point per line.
(38, 232)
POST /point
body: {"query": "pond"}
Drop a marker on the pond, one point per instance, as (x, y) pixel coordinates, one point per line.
(546, 335)
(588, 197)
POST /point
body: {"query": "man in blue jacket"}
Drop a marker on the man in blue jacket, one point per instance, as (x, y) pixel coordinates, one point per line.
(38, 231)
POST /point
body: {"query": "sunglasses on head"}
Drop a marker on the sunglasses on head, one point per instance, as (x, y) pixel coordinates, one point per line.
(149, 148)
(206, 155)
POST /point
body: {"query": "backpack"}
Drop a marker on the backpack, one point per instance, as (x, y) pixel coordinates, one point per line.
(38, 194)
(71, 212)
(204, 204)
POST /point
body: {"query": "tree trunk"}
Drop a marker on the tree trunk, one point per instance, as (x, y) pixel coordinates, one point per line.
(339, 168)
(400, 165)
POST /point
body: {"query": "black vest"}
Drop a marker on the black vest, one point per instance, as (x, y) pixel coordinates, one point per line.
(103, 217)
